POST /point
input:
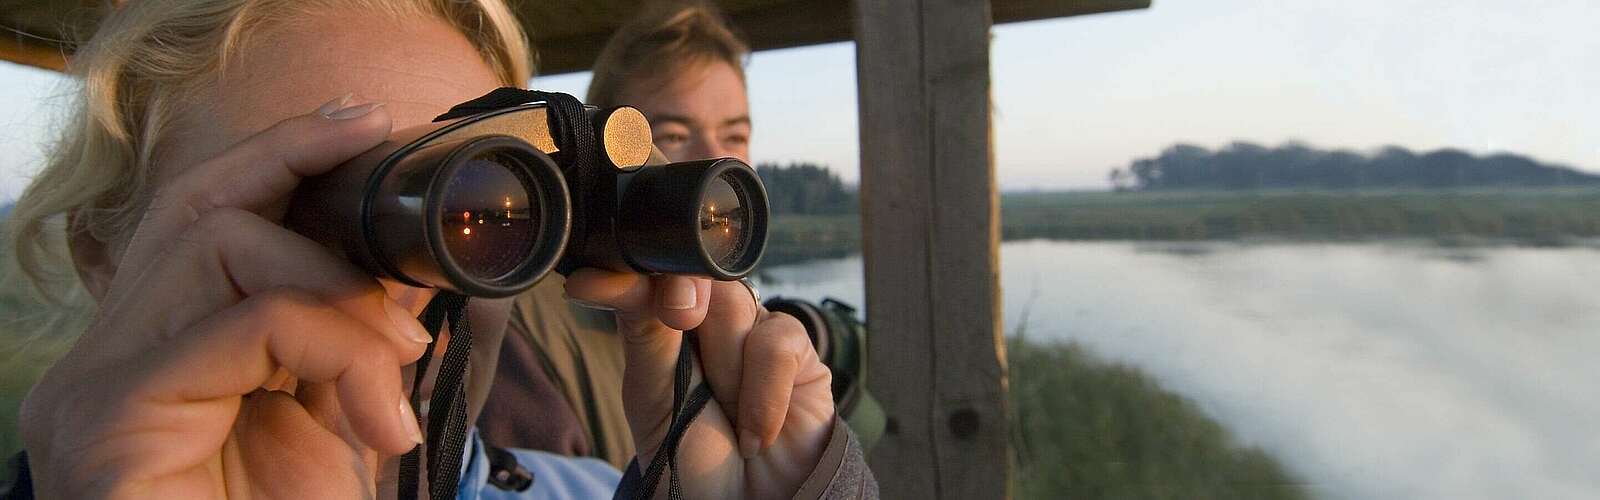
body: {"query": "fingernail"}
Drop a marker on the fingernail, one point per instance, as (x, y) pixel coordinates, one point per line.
(749, 444)
(588, 305)
(680, 294)
(409, 421)
(408, 325)
(354, 111)
(336, 104)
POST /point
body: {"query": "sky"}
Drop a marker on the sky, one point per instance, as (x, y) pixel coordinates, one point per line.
(1076, 97)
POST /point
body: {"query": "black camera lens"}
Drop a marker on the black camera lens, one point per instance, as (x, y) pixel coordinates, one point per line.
(724, 219)
(489, 216)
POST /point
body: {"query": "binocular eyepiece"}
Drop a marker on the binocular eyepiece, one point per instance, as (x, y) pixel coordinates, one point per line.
(486, 204)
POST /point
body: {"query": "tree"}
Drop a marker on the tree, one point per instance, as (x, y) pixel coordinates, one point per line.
(805, 188)
(1243, 165)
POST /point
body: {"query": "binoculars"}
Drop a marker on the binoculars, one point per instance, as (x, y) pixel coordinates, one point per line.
(484, 205)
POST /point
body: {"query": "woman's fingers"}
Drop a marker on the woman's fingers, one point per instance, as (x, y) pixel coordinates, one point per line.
(240, 347)
(256, 172)
(677, 302)
(279, 422)
(599, 288)
(756, 362)
(776, 355)
(681, 302)
(722, 338)
(650, 346)
(230, 254)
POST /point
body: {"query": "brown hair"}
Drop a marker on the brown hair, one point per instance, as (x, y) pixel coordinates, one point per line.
(669, 36)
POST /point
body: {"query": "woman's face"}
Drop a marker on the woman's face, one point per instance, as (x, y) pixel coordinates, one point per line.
(699, 112)
(417, 67)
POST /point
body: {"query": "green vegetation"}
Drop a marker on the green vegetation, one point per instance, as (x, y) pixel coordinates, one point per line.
(1082, 428)
(1523, 216)
(806, 188)
(1539, 216)
(17, 374)
(29, 343)
(798, 238)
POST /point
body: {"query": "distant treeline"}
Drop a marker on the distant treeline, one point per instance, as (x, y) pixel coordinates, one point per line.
(806, 189)
(1243, 165)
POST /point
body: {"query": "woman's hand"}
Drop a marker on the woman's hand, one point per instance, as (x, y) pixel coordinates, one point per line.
(162, 398)
(773, 409)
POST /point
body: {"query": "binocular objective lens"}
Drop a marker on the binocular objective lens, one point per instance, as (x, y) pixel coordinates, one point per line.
(725, 220)
(489, 221)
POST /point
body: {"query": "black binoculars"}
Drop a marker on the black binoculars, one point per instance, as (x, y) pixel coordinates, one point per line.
(486, 204)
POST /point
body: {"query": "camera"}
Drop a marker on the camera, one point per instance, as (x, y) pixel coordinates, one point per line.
(485, 204)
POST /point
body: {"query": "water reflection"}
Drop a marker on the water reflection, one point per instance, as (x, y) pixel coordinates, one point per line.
(1372, 370)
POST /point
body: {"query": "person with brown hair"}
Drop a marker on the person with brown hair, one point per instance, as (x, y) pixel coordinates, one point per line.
(684, 68)
(681, 65)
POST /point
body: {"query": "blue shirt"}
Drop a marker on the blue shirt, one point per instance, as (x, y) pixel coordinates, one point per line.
(555, 477)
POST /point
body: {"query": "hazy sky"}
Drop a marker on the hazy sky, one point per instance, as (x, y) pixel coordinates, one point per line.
(1075, 97)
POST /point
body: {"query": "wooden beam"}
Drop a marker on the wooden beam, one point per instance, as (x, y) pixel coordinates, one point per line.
(930, 239)
(1011, 11)
(775, 25)
(38, 55)
(567, 33)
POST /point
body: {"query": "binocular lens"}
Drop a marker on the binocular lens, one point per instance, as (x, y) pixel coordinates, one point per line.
(724, 221)
(700, 217)
(490, 220)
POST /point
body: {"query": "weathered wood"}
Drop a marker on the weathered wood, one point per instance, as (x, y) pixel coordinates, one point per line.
(35, 33)
(29, 54)
(567, 33)
(930, 238)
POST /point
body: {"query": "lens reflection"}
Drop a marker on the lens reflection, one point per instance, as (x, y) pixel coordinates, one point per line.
(488, 225)
(724, 221)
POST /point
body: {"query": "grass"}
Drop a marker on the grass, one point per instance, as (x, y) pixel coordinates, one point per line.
(1083, 428)
(1523, 216)
(23, 358)
(33, 334)
(798, 238)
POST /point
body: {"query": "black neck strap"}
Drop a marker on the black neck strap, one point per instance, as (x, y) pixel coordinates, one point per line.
(446, 417)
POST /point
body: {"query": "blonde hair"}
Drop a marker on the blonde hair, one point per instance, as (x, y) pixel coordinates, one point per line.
(132, 73)
(671, 36)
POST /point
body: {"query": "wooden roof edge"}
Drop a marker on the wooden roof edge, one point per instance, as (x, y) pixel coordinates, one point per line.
(769, 28)
(28, 52)
(782, 27)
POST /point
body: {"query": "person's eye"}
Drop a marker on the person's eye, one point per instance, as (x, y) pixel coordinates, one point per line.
(736, 140)
(671, 140)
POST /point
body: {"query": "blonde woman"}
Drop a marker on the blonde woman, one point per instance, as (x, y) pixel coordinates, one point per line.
(230, 357)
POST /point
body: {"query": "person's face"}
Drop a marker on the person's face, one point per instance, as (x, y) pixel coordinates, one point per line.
(699, 112)
(417, 67)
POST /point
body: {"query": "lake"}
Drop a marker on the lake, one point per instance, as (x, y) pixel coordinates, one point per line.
(1371, 370)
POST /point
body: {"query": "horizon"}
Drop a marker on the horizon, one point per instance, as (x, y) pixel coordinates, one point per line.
(1484, 78)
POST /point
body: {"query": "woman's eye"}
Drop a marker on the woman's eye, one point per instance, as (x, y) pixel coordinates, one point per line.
(668, 140)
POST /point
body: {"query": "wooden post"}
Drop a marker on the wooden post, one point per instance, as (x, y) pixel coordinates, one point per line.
(930, 239)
